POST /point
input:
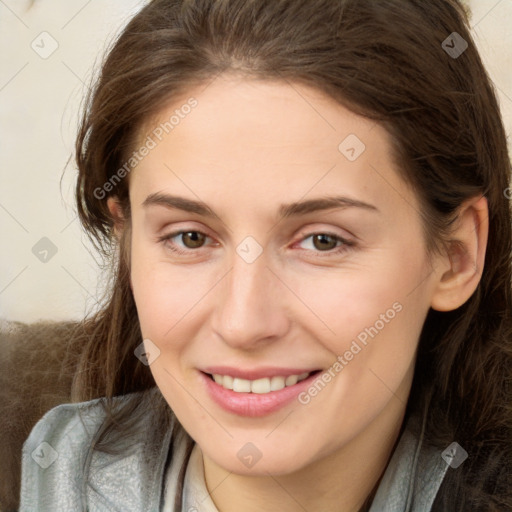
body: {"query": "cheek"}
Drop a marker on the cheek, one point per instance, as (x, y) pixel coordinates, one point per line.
(167, 296)
(371, 323)
(162, 297)
(151, 287)
(385, 296)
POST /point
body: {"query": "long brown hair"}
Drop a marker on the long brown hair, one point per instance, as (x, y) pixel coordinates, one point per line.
(384, 60)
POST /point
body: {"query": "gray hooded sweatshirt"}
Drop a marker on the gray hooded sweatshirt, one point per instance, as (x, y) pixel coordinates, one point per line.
(60, 473)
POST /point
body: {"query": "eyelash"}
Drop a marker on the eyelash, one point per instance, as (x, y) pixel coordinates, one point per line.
(345, 244)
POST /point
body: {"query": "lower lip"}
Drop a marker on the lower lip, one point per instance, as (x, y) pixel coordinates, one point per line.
(254, 404)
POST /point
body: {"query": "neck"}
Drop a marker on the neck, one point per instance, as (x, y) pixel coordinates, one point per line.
(343, 481)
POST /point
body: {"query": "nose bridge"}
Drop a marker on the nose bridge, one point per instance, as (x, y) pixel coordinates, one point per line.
(247, 309)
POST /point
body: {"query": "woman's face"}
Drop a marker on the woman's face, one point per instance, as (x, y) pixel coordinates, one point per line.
(266, 282)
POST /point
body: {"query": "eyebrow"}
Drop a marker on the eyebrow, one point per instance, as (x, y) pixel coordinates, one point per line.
(285, 210)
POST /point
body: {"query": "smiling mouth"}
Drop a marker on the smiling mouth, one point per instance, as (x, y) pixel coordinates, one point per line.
(259, 386)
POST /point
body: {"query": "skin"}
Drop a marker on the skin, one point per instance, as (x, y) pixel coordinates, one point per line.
(248, 147)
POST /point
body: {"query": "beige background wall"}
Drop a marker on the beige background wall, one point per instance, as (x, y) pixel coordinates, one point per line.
(39, 98)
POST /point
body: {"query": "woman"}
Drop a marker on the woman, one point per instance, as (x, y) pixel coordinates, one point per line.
(304, 204)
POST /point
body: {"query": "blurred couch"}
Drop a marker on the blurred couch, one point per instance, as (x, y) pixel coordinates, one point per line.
(37, 362)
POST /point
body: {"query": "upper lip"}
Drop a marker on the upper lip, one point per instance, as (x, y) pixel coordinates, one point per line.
(256, 373)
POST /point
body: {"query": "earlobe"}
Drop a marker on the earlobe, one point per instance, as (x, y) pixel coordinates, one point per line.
(464, 261)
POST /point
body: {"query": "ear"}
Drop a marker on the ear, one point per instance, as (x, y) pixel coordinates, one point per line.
(114, 207)
(462, 265)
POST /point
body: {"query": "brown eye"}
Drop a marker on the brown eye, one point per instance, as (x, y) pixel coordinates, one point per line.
(193, 239)
(324, 242)
(184, 242)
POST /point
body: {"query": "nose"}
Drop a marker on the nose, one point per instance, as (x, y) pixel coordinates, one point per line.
(249, 310)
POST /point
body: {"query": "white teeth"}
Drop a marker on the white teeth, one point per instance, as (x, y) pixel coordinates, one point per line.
(228, 382)
(277, 383)
(260, 386)
(241, 385)
(291, 380)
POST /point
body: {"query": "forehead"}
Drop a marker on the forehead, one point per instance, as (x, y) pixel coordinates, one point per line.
(251, 110)
(262, 138)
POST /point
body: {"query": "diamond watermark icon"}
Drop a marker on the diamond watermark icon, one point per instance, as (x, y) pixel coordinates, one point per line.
(44, 45)
(249, 455)
(454, 455)
(45, 455)
(352, 147)
(249, 249)
(44, 250)
(147, 352)
(454, 45)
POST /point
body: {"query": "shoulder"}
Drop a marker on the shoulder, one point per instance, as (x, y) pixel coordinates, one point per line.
(58, 445)
(414, 473)
(61, 471)
(66, 422)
